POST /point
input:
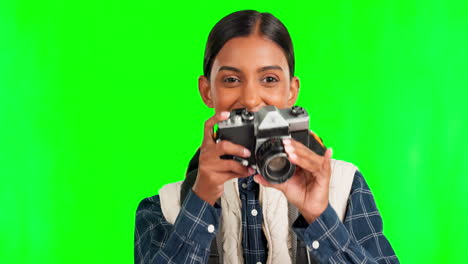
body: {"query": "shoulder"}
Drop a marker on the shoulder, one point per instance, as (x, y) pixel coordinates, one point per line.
(150, 205)
(361, 199)
(360, 184)
(150, 219)
(348, 171)
(151, 228)
(153, 203)
(171, 192)
(342, 174)
(160, 206)
(342, 177)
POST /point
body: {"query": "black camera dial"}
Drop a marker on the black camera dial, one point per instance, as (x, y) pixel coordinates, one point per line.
(247, 115)
(297, 110)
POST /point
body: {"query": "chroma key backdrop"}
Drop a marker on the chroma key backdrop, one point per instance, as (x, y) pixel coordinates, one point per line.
(99, 108)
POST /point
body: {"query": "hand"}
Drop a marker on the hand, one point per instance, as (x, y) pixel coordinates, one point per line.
(213, 171)
(307, 189)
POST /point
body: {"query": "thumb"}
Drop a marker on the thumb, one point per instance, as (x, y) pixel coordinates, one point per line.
(260, 180)
(327, 160)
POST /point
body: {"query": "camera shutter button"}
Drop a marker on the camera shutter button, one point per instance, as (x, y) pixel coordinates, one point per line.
(297, 110)
(247, 115)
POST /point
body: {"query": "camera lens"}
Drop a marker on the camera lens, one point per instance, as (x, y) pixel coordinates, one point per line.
(272, 161)
(277, 164)
(278, 167)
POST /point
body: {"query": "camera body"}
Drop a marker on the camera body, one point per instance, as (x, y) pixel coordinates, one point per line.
(262, 133)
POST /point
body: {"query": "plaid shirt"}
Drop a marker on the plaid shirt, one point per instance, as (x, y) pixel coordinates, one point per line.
(253, 238)
(359, 239)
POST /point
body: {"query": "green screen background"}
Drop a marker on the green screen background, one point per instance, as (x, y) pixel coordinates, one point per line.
(99, 108)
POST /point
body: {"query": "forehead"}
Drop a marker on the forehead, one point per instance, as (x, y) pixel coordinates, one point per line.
(250, 52)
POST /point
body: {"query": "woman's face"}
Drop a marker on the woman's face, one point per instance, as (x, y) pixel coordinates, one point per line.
(249, 72)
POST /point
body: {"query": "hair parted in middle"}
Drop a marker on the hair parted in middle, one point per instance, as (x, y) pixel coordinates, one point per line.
(242, 24)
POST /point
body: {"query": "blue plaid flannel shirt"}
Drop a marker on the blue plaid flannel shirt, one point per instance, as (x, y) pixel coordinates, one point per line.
(359, 239)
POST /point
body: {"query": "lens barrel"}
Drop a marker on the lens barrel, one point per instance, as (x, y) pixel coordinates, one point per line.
(272, 161)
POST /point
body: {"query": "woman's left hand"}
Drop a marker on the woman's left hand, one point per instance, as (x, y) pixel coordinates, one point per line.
(307, 189)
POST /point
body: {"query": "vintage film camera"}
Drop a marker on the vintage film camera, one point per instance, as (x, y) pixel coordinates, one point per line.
(262, 133)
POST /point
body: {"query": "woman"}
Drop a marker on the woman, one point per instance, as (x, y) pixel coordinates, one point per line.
(222, 212)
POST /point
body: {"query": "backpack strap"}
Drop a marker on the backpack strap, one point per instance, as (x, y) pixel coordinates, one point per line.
(170, 201)
(340, 186)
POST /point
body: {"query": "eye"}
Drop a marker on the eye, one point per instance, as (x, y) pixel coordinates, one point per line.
(270, 79)
(231, 80)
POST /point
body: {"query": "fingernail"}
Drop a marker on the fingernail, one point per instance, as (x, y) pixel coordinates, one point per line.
(286, 141)
(225, 114)
(245, 163)
(255, 178)
(293, 156)
(331, 151)
(251, 171)
(289, 149)
(247, 152)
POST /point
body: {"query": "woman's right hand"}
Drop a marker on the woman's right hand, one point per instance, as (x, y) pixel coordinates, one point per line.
(213, 171)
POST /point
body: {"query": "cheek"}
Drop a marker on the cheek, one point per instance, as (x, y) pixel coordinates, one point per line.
(277, 97)
(224, 98)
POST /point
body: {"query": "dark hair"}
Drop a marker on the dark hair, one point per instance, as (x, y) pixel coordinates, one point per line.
(242, 23)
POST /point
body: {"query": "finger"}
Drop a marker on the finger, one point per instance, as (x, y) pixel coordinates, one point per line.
(232, 175)
(223, 177)
(209, 124)
(302, 156)
(302, 149)
(323, 175)
(225, 147)
(260, 180)
(327, 161)
(235, 167)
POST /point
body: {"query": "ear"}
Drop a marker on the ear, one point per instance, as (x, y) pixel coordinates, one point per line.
(205, 91)
(293, 91)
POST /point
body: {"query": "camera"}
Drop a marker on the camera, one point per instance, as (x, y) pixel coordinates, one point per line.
(262, 133)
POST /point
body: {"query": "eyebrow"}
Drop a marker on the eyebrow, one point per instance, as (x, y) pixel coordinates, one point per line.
(262, 69)
(272, 67)
(228, 68)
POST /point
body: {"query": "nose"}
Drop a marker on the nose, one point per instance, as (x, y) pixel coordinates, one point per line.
(250, 97)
